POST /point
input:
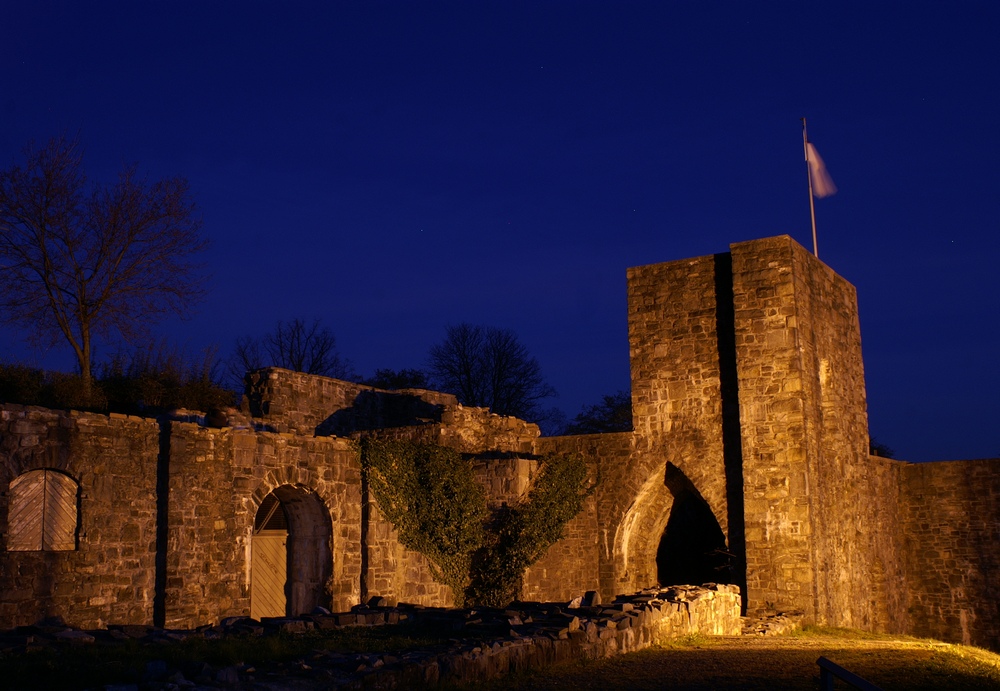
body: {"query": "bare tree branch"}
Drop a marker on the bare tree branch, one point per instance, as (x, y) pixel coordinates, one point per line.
(295, 345)
(489, 367)
(77, 265)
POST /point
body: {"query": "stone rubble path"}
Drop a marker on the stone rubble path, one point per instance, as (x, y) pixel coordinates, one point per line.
(487, 643)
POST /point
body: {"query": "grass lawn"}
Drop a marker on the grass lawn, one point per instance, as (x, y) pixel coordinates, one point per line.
(777, 662)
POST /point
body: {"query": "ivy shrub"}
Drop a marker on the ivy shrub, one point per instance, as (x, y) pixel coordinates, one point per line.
(430, 495)
(520, 534)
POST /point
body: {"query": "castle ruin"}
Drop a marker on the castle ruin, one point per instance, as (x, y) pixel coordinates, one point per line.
(748, 463)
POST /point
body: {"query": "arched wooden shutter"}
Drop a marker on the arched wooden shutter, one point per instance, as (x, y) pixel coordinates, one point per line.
(42, 512)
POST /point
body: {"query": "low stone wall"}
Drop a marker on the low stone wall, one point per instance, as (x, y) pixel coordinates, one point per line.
(545, 634)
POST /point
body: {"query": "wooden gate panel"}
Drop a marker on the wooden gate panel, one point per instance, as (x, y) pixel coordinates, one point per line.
(268, 573)
(59, 513)
(43, 512)
(24, 521)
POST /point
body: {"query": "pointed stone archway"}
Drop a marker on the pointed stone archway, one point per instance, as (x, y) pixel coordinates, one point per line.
(692, 548)
(669, 536)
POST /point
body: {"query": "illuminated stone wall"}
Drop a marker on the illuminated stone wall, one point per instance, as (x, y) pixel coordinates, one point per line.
(109, 577)
(297, 403)
(585, 558)
(951, 514)
(218, 479)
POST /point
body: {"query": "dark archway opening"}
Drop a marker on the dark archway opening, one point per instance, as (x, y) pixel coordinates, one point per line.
(692, 549)
(290, 553)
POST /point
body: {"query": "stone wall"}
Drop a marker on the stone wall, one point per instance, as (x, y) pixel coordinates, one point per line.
(951, 528)
(886, 537)
(676, 396)
(218, 480)
(587, 557)
(109, 577)
(395, 572)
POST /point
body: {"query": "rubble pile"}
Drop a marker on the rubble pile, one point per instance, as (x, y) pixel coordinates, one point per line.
(482, 644)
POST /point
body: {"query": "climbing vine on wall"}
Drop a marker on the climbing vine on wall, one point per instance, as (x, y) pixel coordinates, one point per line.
(519, 535)
(429, 494)
(431, 497)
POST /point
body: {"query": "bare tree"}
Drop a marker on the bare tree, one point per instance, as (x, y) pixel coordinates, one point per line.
(612, 414)
(486, 366)
(294, 345)
(79, 262)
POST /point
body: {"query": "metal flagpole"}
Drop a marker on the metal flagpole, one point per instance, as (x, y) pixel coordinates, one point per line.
(812, 205)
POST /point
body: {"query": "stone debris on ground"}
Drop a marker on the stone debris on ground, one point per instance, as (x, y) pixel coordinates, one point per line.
(772, 623)
(486, 644)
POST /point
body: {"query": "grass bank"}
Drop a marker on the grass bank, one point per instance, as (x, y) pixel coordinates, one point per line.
(777, 663)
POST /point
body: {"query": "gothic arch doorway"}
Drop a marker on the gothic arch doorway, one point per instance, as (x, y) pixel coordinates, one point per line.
(692, 549)
(290, 558)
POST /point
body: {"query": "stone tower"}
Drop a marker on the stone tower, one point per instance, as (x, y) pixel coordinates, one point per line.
(747, 377)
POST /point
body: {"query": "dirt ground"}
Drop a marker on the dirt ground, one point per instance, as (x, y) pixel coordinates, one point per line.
(776, 663)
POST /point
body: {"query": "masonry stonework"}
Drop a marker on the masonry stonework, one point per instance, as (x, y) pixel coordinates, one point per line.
(109, 576)
(747, 464)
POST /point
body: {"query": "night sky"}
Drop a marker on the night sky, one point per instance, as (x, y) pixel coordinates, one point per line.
(393, 168)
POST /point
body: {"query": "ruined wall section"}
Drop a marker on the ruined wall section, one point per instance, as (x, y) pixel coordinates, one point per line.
(676, 396)
(285, 401)
(812, 497)
(951, 532)
(218, 479)
(477, 430)
(502, 463)
(296, 403)
(109, 577)
(585, 558)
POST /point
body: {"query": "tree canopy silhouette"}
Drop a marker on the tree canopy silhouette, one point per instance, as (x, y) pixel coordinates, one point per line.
(80, 261)
(295, 345)
(612, 414)
(489, 367)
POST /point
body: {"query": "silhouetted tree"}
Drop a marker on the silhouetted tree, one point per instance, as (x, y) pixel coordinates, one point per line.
(294, 345)
(612, 414)
(551, 421)
(79, 262)
(398, 379)
(486, 366)
(877, 448)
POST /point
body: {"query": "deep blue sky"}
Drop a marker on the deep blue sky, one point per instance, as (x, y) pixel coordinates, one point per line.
(392, 168)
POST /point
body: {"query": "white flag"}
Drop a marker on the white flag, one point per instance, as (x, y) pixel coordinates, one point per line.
(822, 182)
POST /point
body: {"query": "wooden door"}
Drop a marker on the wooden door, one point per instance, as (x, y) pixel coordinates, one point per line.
(268, 573)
